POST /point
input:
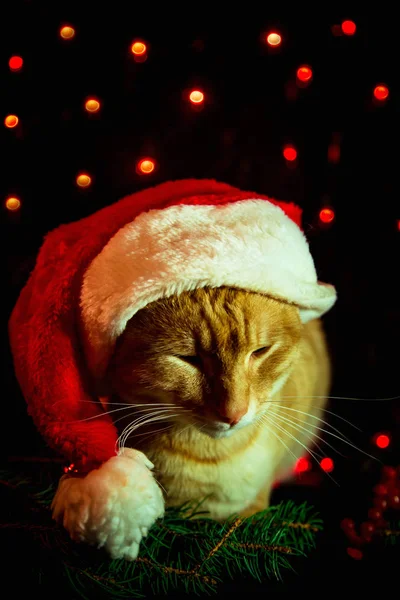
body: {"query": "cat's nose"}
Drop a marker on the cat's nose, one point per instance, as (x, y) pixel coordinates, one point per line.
(232, 417)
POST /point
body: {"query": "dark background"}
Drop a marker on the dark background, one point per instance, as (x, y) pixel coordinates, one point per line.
(253, 108)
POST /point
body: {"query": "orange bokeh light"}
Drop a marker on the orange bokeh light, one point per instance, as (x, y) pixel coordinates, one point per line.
(83, 180)
(13, 203)
(15, 63)
(327, 464)
(349, 27)
(196, 97)
(11, 121)
(138, 48)
(146, 166)
(67, 32)
(382, 440)
(274, 39)
(302, 465)
(381, 92)
(326, 215)
(290, 153)
(92, 105)
(304, 73)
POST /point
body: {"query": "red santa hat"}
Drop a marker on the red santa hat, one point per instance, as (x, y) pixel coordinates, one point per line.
(93, 275)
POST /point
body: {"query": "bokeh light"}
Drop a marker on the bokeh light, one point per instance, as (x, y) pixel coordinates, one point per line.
(83, 180)
(146, 166)
(327, 464)
(15, 63)
(13, 203)
(334, 153)
(290, 153)
(381, 92)
(274, 39)
(304, 73)
(349, 27)
(138, 48)
(92, 105)
(196, 97)
(382, 440)
(302, 465)
(11, 121)
(67, 32)
(326, 215)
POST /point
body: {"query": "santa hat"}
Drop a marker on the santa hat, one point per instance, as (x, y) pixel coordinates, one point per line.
(93, 275)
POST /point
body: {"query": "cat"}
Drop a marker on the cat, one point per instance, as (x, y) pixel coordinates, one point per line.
(226, 389)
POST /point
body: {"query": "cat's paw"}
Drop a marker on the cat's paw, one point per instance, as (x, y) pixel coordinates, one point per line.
(113, 506)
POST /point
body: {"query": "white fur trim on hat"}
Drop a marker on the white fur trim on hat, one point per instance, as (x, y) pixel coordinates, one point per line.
(248, 244)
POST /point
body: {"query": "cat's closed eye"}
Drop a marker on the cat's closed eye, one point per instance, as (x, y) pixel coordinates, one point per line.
(193, 360)
(261, 351)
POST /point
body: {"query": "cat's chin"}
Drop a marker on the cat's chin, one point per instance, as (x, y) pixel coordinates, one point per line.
(217, 434)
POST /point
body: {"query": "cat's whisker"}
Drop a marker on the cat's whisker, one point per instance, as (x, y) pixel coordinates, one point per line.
(153, 411)
(313, 454)
(299, 427)
(261, 422)
(311, 416)
(330, 412)
(388, 399)
(345, 441)
(139, 423)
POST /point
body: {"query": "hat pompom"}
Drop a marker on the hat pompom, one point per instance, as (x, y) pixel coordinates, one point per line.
(113, 506)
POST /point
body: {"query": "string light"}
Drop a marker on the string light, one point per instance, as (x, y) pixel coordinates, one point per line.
(67, 32)
(326, 215)
(13, 203)
(304, 73)
(196, 97)
(138, 48)
(381, 92)
(274, 39)
(349, 27)
(382, 440)
(290, 153)
(146, 166)
(83, 180)
(92, 105)
(15, 63)
(327, 465)
(11, 121)
(302, 465)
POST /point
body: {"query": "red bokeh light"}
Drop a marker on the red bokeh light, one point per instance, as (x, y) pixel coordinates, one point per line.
(381, 92)
(334, 153)
(11, 121)
(382, 440)
(15, 63)
(304, 73)
(327, 464)
(196, 97)
(139, 48)
(326, 215)
(302, 465)
(290, 153)
(349, 27)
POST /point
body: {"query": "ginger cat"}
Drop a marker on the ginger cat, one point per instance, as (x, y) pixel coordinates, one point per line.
(225, 388)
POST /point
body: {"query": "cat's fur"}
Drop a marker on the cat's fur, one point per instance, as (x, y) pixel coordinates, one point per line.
(196, 351)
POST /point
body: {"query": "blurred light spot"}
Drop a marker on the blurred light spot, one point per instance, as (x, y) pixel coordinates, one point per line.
(196, 97)
(11, 121)
(15, 63)
(381, 92)
(382, 440)
(138, 48)
(274, 39)
(327, 464)
(302, 465)
(67, 32)
(290, 153)
(304, 73)
(83, 180)
(334, 153)
(326, 215)
(349, 27)
(146, 166)
(13, 203)
(92, 105)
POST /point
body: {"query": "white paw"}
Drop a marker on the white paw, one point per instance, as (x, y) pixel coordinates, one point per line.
(113, 506)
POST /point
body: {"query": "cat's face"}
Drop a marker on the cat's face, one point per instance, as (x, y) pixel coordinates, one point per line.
(220, 354)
